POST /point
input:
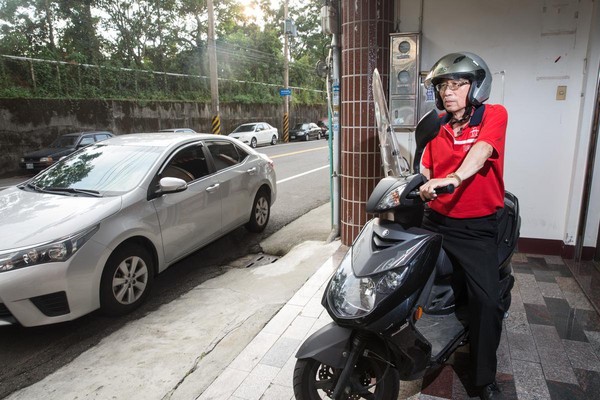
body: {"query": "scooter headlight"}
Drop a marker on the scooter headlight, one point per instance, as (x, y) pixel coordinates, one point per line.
(391, 199)
(350, 296)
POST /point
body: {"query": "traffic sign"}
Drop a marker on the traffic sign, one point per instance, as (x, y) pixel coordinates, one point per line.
(285, 92)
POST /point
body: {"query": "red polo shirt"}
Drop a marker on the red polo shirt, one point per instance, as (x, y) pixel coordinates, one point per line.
(483, 193)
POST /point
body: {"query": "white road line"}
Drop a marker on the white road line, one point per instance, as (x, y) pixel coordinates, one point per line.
(302, 174)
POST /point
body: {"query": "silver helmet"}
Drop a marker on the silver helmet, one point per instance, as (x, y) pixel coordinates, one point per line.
(462, 65)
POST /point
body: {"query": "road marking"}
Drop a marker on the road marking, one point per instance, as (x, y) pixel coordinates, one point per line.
(297, 152)
(302, 174)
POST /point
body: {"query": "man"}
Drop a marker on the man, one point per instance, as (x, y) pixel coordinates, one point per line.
(468, 152)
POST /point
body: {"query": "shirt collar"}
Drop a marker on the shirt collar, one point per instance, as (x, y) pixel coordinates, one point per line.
(475, 118)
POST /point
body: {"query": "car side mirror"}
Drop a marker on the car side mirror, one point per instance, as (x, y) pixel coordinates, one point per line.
(171, 185)
(427, 129)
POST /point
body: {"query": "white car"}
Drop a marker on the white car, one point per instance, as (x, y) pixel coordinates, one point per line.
(94, 229)
(256, 133)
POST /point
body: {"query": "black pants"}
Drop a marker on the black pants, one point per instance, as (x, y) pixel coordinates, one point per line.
(471, 246)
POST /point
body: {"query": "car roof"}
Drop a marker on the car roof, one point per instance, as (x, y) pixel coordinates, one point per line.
(163, 139)
(86, 133)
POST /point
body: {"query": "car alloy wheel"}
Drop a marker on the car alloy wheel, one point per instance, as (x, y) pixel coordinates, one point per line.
(261, 210)
(253, 143)
(126, 280)
(307, 137)
(274, 140)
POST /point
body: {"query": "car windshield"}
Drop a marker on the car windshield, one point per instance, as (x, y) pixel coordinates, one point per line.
(64, 141)
(106, 169)
(301, 126)
(245, 128)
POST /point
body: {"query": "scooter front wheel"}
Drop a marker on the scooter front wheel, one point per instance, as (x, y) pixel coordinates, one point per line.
(315, 381)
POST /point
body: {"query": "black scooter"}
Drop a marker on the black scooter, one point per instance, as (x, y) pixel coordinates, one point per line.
(391, 299)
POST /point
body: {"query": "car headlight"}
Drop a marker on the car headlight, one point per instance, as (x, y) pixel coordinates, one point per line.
(351, 297)
(391, 199)
(56, 251)
(46, 159)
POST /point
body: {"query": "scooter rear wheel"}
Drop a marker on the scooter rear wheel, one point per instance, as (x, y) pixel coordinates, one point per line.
(315, 381)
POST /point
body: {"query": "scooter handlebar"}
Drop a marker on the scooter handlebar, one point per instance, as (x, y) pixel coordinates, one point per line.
(414, 194)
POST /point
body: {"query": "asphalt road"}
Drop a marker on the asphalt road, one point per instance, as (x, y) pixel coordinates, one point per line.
(30, 354)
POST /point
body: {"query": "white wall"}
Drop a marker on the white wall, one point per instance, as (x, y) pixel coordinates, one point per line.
(532, 47)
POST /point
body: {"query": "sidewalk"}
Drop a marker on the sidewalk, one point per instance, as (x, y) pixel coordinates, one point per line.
(550, 346)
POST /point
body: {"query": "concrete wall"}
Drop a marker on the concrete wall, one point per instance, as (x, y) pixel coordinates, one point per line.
(532, 47)
(29, 124)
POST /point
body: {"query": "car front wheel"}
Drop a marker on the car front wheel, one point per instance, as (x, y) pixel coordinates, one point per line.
(274, 140)
(261, 210)
(307, 137)
(253, 143)
(126, 280)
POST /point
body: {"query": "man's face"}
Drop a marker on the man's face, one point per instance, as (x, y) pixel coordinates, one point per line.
(454, 94)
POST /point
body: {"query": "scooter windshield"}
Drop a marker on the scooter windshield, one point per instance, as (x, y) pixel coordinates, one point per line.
(393, 163)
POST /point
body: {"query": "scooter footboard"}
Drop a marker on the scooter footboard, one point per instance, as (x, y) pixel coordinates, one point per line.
(327, 345)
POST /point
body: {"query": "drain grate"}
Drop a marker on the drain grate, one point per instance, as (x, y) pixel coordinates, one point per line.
(254, 260)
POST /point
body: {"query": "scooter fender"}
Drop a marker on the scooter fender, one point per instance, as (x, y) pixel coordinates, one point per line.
(327, 345)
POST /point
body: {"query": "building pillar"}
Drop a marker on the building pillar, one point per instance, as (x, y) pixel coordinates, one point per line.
(366, 25)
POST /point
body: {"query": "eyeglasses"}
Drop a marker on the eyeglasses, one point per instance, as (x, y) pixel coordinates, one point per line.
(450, 85)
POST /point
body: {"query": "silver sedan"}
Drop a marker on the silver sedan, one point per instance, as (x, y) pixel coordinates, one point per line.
(92, 231)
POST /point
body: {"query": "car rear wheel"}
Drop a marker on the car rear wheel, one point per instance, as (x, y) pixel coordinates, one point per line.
(126, 280)
(261, 210)
(274, 140)
(253, 143)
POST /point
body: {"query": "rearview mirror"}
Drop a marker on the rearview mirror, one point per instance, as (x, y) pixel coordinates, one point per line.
(427, 129)
(171, 185)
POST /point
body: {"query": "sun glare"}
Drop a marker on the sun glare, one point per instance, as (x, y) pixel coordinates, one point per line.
(252, 11)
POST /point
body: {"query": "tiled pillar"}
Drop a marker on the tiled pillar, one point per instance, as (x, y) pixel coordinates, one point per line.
(366, 25)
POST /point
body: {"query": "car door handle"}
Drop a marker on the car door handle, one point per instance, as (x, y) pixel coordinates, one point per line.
(212, 188)
(251, 171)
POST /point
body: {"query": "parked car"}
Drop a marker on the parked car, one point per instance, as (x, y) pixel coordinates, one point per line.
(178, 130)
(305, 131)
(256, 133)
(324, 129)
(61, 147)
(93, 230)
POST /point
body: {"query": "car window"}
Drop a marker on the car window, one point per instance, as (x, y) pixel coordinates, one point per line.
(86, 140)
(101, 137)
(64, 141)
(224, 154)
(245, 128)
(188, 164)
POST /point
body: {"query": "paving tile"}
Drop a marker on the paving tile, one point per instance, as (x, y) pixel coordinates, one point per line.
(280, 352)
(582, 355)
(588, 319)
(225, 384)
(573, 293)
(522, 347)
(536, 261)
(530, 292)
(313, 308)
(282, 320)
(550, 289)
(276, 392)
(594, 340)
(503, 355)
(538, 314)
(567, 326)
(439, 383)
(554, 260)
(412, 390)
(555, 363)
(522, 269)
(286, 374)
(517, 322)
(545, 276)
(299, 327)
(519, 258)
(589, 382)
(256, 383)
(530, 383)
(254, 351)
(516, 304)
(565, 391)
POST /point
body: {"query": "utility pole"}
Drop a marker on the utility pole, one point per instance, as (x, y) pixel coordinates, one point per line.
(286, 76)
(212, 65)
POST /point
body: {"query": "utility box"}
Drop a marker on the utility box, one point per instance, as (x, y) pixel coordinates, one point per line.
(404, 80)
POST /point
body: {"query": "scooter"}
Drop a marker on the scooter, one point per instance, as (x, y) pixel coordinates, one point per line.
(391, 299)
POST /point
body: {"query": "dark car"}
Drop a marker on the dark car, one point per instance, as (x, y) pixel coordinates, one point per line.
(61, 147)
(324, 129)
(305, 131)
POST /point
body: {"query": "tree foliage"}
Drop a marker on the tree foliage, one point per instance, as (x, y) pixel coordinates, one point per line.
(154, 49)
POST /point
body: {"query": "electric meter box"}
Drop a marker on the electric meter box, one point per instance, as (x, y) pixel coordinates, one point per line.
(404, 80)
